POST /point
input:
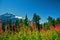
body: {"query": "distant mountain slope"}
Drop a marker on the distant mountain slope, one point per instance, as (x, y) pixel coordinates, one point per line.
(8, 16)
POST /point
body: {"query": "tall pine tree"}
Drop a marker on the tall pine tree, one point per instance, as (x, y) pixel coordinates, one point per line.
(36, 19)
(26, 20)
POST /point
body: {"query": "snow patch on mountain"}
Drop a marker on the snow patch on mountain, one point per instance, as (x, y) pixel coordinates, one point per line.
(18, 17)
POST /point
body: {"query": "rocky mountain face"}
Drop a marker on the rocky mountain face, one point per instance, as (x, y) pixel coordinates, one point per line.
(8, 17)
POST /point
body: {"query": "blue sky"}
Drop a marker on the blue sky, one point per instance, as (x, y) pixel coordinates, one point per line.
(43, 8)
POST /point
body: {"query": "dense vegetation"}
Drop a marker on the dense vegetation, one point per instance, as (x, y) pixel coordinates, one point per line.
(24, 29)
